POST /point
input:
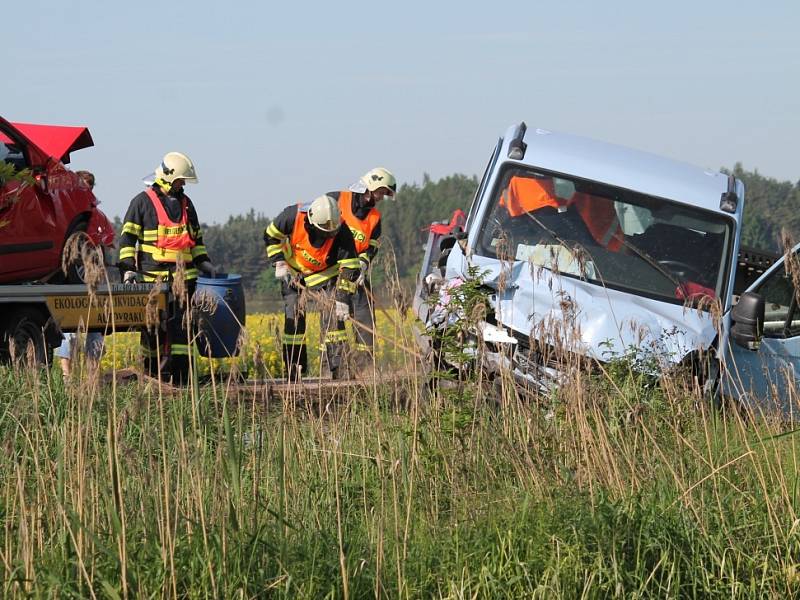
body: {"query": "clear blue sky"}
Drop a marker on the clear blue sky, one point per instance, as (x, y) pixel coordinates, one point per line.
(280, 102)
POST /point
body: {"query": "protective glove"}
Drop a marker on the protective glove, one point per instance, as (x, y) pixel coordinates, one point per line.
(282, 270)
(130, 277)
(208, 268)
(362, 276)
(342, 311)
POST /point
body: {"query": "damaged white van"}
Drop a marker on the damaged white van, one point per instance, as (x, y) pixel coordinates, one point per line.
(595, 251)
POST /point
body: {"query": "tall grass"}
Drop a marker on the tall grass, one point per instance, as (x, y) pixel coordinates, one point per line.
(610, 487)
(387, 491)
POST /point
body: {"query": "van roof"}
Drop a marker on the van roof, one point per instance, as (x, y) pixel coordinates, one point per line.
(621, 167)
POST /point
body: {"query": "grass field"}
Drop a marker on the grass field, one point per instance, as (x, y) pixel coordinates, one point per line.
(611, 487)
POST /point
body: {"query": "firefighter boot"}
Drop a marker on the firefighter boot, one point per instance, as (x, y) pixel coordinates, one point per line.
(295, 361)
(331, 361)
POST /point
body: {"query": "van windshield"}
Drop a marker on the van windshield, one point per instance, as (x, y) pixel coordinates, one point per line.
(609, 236)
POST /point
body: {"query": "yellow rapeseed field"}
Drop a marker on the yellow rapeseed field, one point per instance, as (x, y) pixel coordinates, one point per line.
(261, 346)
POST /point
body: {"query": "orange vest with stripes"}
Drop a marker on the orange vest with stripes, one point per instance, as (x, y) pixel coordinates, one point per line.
(360, 228)
(304, 254)
(171, 235)
(525, 194)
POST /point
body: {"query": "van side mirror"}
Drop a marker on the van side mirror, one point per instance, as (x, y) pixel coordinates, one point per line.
(747, 320)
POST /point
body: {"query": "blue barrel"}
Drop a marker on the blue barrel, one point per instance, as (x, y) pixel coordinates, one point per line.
(219, 303)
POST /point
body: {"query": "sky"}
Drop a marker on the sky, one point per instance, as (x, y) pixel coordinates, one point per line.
(280, 102)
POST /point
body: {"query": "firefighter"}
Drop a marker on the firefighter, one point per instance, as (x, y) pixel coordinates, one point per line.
(358, 206)
(161, 231)
(310, 251)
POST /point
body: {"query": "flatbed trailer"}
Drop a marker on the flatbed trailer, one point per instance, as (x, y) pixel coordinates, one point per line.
(34, 316)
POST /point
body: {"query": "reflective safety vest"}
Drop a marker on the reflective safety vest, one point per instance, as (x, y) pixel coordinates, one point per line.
(525, 194)
(360, 228)
(170, 239)
(601, 220)
(298, 250)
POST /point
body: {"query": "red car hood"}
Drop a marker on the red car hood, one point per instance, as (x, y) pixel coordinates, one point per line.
(56, 140)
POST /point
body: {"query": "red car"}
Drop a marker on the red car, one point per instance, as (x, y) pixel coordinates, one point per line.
(39, 213)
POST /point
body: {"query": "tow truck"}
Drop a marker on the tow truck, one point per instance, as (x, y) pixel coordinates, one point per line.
(47, 212)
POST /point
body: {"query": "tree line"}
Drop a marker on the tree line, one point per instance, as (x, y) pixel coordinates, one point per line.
(770, 210)
(237, 245)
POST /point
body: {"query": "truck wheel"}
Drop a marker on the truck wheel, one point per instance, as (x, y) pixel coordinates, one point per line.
(24, 334)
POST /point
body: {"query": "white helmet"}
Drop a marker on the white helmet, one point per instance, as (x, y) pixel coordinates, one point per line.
(324, 214)
(176, 165)
(379, 178)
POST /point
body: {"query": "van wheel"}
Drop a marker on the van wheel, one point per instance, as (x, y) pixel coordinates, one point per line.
(25, 342)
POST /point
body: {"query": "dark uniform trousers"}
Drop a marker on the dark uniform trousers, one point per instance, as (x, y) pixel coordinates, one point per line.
(332, 331)
(166, 353)
(362, 310)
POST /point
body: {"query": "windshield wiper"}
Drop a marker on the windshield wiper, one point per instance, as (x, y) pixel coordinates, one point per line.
(649, 260)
